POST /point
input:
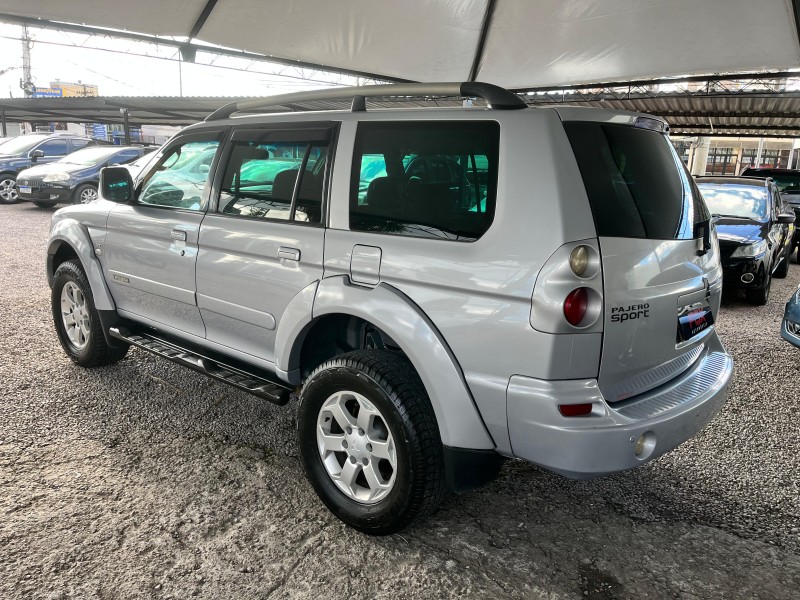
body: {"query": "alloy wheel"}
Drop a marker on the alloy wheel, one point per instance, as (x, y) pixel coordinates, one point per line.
(356, 447)
(75, 315)
(8, 190)
(88, 195)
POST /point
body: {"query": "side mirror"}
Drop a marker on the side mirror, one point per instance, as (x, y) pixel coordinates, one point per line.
(786, 218)
(116, 184)
(37, 154)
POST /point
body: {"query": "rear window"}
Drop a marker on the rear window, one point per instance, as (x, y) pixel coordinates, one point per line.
(788, 183)
(636, 184)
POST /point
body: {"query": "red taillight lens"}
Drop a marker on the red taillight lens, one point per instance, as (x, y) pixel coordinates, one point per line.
(575, 306)
(575, 410)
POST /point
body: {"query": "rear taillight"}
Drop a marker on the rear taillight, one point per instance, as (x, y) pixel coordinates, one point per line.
(576, 305)
(568, 293)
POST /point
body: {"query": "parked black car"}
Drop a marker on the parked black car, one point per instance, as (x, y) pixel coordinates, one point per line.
(74, 178)
(21, 152)
(788, 182)
(755, 227)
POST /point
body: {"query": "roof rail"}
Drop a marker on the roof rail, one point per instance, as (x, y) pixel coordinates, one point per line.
(495, 96)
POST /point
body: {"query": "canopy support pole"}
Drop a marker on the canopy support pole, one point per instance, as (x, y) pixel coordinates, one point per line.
(487, 23)
(4, 132)
(796, 11)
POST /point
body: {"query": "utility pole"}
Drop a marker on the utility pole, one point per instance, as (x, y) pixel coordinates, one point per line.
(27, 81)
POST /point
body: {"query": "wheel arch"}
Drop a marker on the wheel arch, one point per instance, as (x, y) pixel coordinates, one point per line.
(335, 303)
(70, 239)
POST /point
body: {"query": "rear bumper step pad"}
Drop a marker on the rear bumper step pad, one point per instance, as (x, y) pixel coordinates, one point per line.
(238, 378)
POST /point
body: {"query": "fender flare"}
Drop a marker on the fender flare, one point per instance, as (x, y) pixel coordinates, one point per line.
(76, 236)
(460, 423)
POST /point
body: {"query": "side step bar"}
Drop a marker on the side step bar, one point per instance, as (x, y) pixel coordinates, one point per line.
(236, 377)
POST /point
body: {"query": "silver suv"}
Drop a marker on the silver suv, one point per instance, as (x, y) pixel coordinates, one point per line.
(444, 287)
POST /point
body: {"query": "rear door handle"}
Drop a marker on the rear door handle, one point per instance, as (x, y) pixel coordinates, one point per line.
(288, 253)
(178, 234)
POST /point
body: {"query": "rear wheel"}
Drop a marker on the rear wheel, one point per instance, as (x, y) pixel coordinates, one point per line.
(84, 194)
(8, 188)
(369, 440)
(76, 320)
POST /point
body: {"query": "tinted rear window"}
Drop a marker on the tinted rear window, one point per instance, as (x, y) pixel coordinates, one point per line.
(788, 183)
(637, 185)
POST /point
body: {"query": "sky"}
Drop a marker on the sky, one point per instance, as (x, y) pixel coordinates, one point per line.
(128, 68)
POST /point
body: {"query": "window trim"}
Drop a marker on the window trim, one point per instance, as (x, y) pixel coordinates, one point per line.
(179, 140)
(239, 132)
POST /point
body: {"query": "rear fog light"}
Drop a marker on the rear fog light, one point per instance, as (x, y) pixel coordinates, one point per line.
(575, 410)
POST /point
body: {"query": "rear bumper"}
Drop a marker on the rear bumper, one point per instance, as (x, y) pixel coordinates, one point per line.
(605, 441)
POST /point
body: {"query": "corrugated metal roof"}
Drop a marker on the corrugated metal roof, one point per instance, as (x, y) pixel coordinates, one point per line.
(739, 114)
(748, 114)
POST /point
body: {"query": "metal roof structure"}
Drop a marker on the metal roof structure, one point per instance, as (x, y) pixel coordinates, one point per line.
(141, 110)
(742, 105)
(512, 43)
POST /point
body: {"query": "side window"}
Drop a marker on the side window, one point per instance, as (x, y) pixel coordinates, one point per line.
(261, 179)
(123, 157)
(54, 148)
(78, 143)
(180, 176)
(425, 179)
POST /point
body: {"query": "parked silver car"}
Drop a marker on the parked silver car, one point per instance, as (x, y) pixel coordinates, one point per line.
(541, 283)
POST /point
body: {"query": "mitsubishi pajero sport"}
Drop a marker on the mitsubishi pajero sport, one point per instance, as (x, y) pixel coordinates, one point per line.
(443, 287)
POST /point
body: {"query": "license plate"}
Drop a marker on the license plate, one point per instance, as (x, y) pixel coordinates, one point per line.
(24, 189)
(694, 319)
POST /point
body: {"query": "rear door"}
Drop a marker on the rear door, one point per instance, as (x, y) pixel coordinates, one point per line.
(661, 270)
(151, 245)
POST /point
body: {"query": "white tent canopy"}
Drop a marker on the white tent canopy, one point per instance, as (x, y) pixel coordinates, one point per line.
(517, 44)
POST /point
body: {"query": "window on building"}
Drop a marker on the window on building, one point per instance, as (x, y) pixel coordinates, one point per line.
(721, 161)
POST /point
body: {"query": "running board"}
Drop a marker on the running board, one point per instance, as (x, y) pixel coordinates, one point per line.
(236, 377)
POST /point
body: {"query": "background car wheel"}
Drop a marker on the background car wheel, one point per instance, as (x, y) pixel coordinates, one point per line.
(45, 203)
(783, 269)
(84, 194)
(761, 296)
(76, 320)
(369, 441)
(8, 188)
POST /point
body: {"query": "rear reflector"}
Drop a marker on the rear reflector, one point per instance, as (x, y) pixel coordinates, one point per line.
(575, 306)
(575, 410)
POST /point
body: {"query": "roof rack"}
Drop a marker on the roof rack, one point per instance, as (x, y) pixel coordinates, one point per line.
(495, 96)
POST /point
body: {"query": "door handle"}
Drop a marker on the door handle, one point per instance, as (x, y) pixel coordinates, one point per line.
(288, 253)
(177, 234)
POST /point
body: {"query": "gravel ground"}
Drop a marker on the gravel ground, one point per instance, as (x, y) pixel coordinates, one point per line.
(146, 480)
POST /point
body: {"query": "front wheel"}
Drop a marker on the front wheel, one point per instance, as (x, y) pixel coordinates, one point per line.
(783, 269)
(8, 188)
(76, 320)
(370, 442)
(84, 194)
(760, 296)
(45, 203)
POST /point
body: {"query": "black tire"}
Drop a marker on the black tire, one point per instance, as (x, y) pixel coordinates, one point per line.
(391, 384)
(760, 296)
(79, 191)
(783, 269)
(8, 192)
(46, 203)
(95, 352)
